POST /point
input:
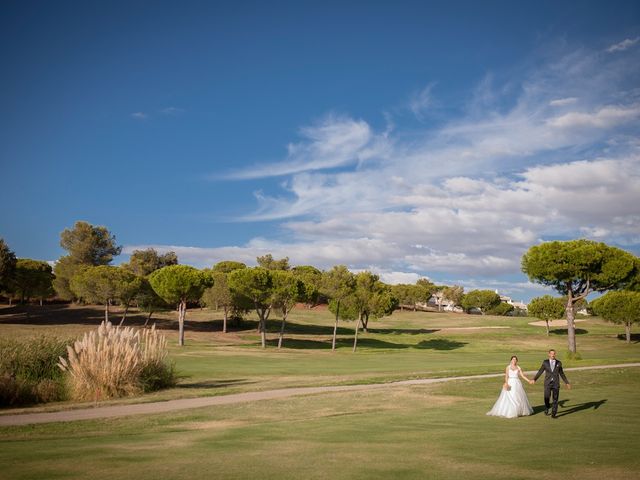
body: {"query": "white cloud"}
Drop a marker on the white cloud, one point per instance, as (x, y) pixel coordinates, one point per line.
(139, 115)
(333, 142)
(623, 45)
(562, 102)
(606, 117)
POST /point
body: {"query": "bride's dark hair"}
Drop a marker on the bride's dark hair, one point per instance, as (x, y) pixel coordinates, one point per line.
(513, 358)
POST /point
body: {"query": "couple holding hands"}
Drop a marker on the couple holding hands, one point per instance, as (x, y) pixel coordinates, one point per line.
(513, 401)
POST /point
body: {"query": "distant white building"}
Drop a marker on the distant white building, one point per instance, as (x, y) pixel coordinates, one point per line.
(514, 304)
(438, 299)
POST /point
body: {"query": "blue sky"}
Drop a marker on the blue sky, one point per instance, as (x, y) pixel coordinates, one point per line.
(410, 138)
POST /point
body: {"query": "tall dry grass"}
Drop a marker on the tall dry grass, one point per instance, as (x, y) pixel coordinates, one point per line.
(117, 361)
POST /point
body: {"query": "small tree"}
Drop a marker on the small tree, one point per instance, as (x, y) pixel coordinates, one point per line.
(178, 285)
(220, 295)
(228, 266)
(576, 268)
(287, 291)
(7, 264)
(547, 308)
(104, 284)
(128, 288)
(621, 307)
(370, 298)
(267, 261)
(32, 278)
(453, 295)
(424, 290)
(87, 245)
(144, 262)
(483, 300)
(502, 309)
(311, 279)
(257, 284)
(337, 284)
(148, 300)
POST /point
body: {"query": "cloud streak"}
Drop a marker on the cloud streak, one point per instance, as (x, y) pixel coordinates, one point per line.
(623, 45)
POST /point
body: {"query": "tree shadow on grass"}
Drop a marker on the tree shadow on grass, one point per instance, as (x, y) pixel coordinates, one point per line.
(635, 337)
(215, 383)
(307, 329)
(563, 331)
(408, 331)
(440, 344)
(341, 343)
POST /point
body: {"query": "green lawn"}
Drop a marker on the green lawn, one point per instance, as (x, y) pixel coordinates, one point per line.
(404, 345)
(435, 431)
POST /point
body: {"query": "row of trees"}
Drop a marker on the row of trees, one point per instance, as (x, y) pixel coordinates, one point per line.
(150, 280)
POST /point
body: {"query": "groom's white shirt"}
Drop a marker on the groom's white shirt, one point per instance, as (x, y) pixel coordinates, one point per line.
(552, 363)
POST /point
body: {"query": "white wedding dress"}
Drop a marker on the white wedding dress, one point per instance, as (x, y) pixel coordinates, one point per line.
(514, 402)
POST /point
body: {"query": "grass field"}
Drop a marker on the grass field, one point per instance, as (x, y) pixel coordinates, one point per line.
(404, 345)
(436, 431)
(428, 431)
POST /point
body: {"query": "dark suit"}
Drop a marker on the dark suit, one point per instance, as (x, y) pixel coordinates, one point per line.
(551, 383)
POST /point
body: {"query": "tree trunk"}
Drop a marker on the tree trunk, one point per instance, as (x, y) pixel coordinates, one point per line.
(547, 322)
(40, 301)
(365, 323)
(182, 311)
(224, 321)
(106, 311)
(627, 331)
(571, 326)
(10, 301)
(263, 328)
(335, 327)
(440, 305)
(355, 338)
(148, 318)
(124, 316)
(284, 321)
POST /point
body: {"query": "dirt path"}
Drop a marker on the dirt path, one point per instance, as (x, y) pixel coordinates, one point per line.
(187, 403)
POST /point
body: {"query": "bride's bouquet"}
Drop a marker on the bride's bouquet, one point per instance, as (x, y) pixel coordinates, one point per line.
(506, 387)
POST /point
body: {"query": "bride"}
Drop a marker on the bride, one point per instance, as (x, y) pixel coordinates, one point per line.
(513, 401)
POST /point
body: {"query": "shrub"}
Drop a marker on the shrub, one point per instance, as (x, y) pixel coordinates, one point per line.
(114, 362)
(29, 372)
(502, 309)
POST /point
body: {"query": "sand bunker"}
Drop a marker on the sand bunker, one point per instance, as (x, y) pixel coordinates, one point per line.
(552, 323)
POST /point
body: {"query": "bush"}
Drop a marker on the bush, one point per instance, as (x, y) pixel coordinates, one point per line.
(114, 362)
(502, 309)
(29, 371)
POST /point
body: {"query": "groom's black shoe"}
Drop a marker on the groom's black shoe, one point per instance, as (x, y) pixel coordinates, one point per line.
(554, 415)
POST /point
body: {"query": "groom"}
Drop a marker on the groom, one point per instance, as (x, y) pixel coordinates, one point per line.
(553, 371)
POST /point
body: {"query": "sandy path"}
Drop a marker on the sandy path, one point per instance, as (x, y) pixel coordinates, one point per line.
(187, 403)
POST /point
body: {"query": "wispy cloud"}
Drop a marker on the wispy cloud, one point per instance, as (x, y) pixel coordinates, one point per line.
(336, 141)
(171, 111)
(562, 102)
(422, 101)
(623, 45)
(139, 115)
